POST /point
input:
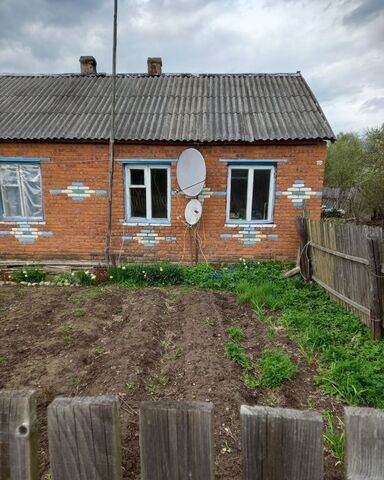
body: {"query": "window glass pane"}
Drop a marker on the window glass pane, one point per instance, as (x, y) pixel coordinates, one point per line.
(260, 196)
(137, 176)
(10, 191)
(159, 192)
(238, 202)
(11, 202)
(138, 202)
(31, 191)
(8, 175)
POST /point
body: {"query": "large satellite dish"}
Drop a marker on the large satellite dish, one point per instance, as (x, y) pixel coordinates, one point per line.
(193, 211)
(191, 172)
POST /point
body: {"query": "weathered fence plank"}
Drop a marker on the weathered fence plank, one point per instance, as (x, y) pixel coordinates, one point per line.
(176, 441)
(376, 284)
(364, 431)
(281, 444)
(305, 266)
(18, 436)
(84, 438)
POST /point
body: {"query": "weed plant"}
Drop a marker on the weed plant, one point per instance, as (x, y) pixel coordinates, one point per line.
(275, 367)
(235, 333)
(334, 437)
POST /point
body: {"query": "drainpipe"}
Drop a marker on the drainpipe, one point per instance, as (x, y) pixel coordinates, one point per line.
(107, 250)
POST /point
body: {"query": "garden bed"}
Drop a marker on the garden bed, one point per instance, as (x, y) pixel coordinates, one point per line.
(150, 343)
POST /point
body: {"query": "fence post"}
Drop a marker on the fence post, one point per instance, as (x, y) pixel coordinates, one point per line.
(304, 260)
(18, 435)
(376, 288)
(176, 440)
(84, 438)
(364, 432)
(281, 444)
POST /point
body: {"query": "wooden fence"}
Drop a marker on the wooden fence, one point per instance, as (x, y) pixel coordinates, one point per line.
(176, 440)
(347, 260)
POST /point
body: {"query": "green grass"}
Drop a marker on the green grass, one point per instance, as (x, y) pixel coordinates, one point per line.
(260, 295)
(237, 354)
(334, 437)
(349, 362)
(235, 333)
(275, 367)
(272, 369)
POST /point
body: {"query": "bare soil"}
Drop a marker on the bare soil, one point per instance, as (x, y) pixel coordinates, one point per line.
(145, 344)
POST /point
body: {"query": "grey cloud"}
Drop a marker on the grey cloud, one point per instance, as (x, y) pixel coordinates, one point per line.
(367, 11)
(374, 105)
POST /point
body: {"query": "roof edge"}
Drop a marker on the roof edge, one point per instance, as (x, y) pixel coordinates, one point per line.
(138, 74)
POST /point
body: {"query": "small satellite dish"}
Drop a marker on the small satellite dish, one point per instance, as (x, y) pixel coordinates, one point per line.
(191, 172)
(193, 211)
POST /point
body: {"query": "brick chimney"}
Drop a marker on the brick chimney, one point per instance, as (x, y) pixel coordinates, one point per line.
(88, 65)
(154, 65)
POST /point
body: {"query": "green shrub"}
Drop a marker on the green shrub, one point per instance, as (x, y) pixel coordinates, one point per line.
(84, 277)
(76, 278)
(274, 368)
(147, 274)
(29, 274)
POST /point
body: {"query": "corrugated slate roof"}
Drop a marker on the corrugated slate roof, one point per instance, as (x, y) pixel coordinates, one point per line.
(168, 107)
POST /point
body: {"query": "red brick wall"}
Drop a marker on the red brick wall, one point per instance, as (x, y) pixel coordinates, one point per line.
(78, 227)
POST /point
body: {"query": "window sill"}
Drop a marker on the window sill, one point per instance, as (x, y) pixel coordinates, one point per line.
(250, 224)
(149, 223)
(22, 220)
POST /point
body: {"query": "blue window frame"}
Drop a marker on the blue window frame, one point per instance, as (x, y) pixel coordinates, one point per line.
(20, 191)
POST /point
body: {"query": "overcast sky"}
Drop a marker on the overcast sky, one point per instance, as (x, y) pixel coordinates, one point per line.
(337, 44)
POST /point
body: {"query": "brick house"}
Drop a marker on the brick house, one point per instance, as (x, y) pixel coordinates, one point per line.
(263, 138)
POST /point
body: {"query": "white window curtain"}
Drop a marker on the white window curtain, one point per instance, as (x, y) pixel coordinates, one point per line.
(20, 188)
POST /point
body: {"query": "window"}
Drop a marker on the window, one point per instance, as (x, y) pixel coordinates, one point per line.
(148, 193)
(250, 194)
(20, 191)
